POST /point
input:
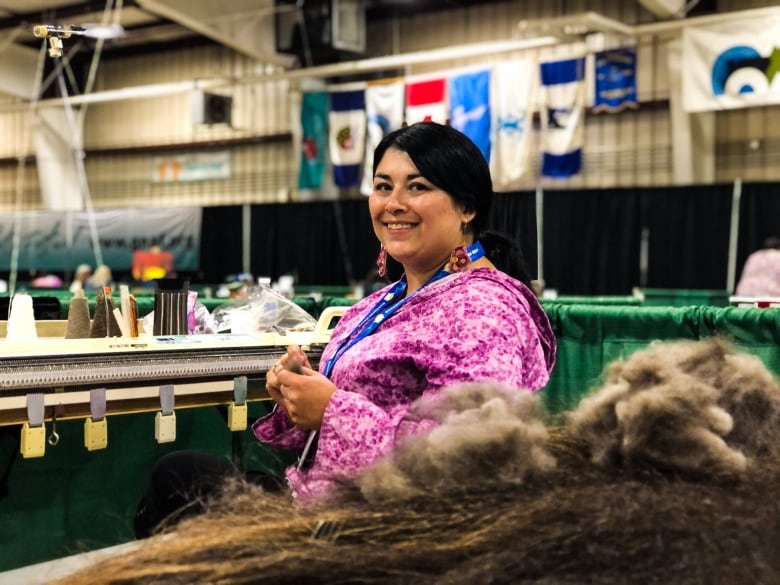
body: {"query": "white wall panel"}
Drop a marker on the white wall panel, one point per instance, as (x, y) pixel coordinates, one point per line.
(258, 109)
(259, 174)
(30, 194)
(16, 139)
(748, 144)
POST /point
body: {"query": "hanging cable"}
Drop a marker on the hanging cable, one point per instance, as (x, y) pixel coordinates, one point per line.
(52, 76)
(106, 17)
(78, 157)
(9, 40)
(117, 8)
(19, 198)
(77, 128)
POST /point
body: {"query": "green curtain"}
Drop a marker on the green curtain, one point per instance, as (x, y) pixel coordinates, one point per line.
(591, 336)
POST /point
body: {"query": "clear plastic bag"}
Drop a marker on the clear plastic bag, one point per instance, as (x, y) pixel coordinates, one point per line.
(262, 310)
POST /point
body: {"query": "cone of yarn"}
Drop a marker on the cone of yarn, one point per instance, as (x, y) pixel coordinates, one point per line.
(21, 319)
(104, 323)
(79, 325)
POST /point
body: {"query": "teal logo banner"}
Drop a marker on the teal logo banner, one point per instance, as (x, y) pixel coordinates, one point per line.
(60, 241)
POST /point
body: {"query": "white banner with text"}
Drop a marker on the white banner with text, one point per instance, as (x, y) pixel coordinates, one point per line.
(52, 241)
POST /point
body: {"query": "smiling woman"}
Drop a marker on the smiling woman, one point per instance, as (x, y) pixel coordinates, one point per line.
(461, 312)
(454, 316)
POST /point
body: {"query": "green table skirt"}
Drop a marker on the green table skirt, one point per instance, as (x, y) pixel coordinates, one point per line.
(72, 500)
(590, 337)
(593, 300)
(671, 297)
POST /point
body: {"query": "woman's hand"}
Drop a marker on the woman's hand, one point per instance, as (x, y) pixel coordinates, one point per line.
(305, 396)
(294, 358)
(300, 391)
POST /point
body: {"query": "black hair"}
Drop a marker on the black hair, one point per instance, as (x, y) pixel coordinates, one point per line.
(453, 163)
(772, 242)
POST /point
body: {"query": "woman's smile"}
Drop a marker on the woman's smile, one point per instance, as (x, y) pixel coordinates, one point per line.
(398, 227)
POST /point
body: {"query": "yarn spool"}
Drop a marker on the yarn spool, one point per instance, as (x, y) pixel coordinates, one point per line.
(79, 324)
(104, 323)
(21, 319)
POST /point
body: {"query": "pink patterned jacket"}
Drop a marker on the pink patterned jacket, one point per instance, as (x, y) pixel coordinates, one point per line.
(478, 325)
(761, 275)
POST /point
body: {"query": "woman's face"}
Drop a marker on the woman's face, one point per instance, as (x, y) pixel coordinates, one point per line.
(418, 223)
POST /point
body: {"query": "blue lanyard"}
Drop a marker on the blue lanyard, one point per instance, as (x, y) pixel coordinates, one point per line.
(388, 305)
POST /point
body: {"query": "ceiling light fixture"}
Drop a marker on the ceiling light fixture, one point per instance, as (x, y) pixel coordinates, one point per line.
(56, 32)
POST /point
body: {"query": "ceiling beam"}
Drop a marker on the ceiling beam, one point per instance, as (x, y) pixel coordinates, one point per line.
(226, 22)
(60, 13)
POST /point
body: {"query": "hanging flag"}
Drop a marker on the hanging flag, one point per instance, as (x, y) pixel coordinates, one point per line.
(426, 100)
(470, 107)
(512, 104)
(384, 113)
(562, 109)
(347, 122)
(314, 123)
(615, 80)
(735, 64)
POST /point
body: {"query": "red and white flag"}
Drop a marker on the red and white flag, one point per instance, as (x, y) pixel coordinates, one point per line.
(426, 100)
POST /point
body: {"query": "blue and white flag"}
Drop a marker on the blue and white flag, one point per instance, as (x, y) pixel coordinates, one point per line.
(470, 107)
(513, 95)
(347, 130)
(615, 88)
(314, 139)
(734, 64)
(384, 113)
(562, 112)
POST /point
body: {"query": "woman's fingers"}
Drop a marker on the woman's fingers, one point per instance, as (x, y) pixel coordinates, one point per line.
(294, 352)
(284, 385)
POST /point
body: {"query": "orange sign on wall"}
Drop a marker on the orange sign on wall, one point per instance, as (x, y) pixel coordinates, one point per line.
(151, 264)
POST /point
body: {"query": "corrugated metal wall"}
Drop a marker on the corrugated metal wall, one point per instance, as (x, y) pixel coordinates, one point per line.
(259, 172)
(630, 148)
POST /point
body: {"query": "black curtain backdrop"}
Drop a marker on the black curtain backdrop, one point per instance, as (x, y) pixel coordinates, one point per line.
(591, 241)
(759, 218)
(592, 237)
(321, 242)
(514, 215)
(220, 243)
(689, 236)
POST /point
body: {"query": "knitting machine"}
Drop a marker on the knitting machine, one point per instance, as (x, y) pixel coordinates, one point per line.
(92, 378)
(129, 369)
(51, 378)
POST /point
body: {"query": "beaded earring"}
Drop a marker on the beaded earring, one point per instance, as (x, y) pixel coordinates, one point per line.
(459, 259)
(381, 262)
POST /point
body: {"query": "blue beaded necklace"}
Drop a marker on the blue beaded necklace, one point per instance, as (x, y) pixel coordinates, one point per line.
(393, 300)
